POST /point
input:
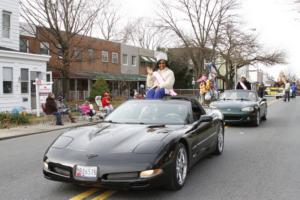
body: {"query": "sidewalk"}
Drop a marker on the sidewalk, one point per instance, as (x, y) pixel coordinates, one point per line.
(25, 130)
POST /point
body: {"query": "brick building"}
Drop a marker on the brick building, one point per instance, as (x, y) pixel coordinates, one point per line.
(92, 58)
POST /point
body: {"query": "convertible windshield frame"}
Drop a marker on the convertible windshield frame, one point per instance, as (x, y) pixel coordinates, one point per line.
(239, 95)
(151, 112)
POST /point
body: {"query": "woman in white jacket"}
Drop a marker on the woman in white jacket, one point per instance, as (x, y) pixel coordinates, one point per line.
(160, 82)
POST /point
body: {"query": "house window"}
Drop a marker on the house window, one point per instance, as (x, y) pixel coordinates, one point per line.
(82, 85)
(49, 76)
(114, 58)
(125, 59)
(90, 54)
(24, 81)
(59, 51)
(133, 61)
(44, 48)
(77, 53)
(6, 24)
(104, 56)
(72, 84)
(24, 43)
(7, 80)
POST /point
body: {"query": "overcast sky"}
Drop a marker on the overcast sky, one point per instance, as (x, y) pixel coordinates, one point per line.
(278, 26)
(275, 21)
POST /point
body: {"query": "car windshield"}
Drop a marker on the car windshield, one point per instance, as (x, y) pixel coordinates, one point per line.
(150, 112)
(238, 95)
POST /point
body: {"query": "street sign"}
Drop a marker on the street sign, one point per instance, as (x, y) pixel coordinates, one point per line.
(42, 90)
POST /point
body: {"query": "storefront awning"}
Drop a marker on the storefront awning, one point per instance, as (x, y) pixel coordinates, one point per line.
(152, 59)
(109, 76)
(147, 59)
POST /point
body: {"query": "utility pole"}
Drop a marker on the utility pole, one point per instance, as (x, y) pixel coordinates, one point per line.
(193, 85)
(235, 77)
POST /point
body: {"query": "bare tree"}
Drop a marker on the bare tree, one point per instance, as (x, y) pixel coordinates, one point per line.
(197, 24)
(146, 34)
(108, 22)
(63, 23)
(126, 33)
(239, 49)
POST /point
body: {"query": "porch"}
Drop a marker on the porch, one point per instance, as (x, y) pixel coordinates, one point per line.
(80, 84)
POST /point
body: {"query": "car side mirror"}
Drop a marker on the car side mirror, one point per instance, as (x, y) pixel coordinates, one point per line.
(205, 118)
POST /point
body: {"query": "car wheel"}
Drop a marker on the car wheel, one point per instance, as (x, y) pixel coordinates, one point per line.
(257, 120)
(265, 115)
(220, 141)
(179, 168)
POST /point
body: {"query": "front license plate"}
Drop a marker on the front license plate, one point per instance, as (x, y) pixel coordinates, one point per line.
(85, 171)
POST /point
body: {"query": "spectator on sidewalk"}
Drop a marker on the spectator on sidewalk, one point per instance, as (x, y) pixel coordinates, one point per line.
(52, 109)
(87, 109)
(294, 90)
(287, 87)
(63, 108)
(202, 88)
(106, 103)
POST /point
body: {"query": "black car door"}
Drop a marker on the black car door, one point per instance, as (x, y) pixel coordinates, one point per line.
(201, 133)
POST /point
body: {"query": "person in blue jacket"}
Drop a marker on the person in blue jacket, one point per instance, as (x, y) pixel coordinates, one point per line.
(294, 90)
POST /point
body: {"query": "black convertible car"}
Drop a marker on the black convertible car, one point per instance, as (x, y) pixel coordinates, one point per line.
(241, 106)
(141, 144)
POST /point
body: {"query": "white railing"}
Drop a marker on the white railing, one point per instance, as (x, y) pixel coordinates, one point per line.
(83, 95)
(79, 95)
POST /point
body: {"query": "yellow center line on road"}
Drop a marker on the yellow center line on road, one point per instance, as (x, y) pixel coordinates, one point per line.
(104, 195)
(85, 194)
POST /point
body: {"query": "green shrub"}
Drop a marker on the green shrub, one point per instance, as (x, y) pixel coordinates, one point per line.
(98, 88)
(8, 119)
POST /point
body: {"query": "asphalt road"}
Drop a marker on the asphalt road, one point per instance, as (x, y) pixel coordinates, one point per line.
(258, 163)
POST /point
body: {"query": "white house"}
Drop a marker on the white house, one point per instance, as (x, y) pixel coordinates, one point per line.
(18, 70)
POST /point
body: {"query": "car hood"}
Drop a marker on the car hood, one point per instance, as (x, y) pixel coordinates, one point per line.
(107, 139)
(225, 104)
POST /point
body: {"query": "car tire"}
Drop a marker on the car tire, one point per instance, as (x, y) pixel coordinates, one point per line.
(220, 140)
(257, 120)
(265, 115)
(179, 168)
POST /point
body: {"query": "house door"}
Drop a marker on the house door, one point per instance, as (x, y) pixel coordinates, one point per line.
(34, 75)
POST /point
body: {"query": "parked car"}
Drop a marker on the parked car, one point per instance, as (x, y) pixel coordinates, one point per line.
(141, 144)
(241, 106)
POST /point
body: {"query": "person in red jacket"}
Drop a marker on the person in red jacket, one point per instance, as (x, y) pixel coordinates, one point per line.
(106, 103)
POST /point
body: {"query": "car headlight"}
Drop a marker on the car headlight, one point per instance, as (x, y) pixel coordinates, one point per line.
(150, 173)
(46, 165)
(247, 109)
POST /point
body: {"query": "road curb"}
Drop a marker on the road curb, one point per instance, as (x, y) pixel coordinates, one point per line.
(45, 131)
